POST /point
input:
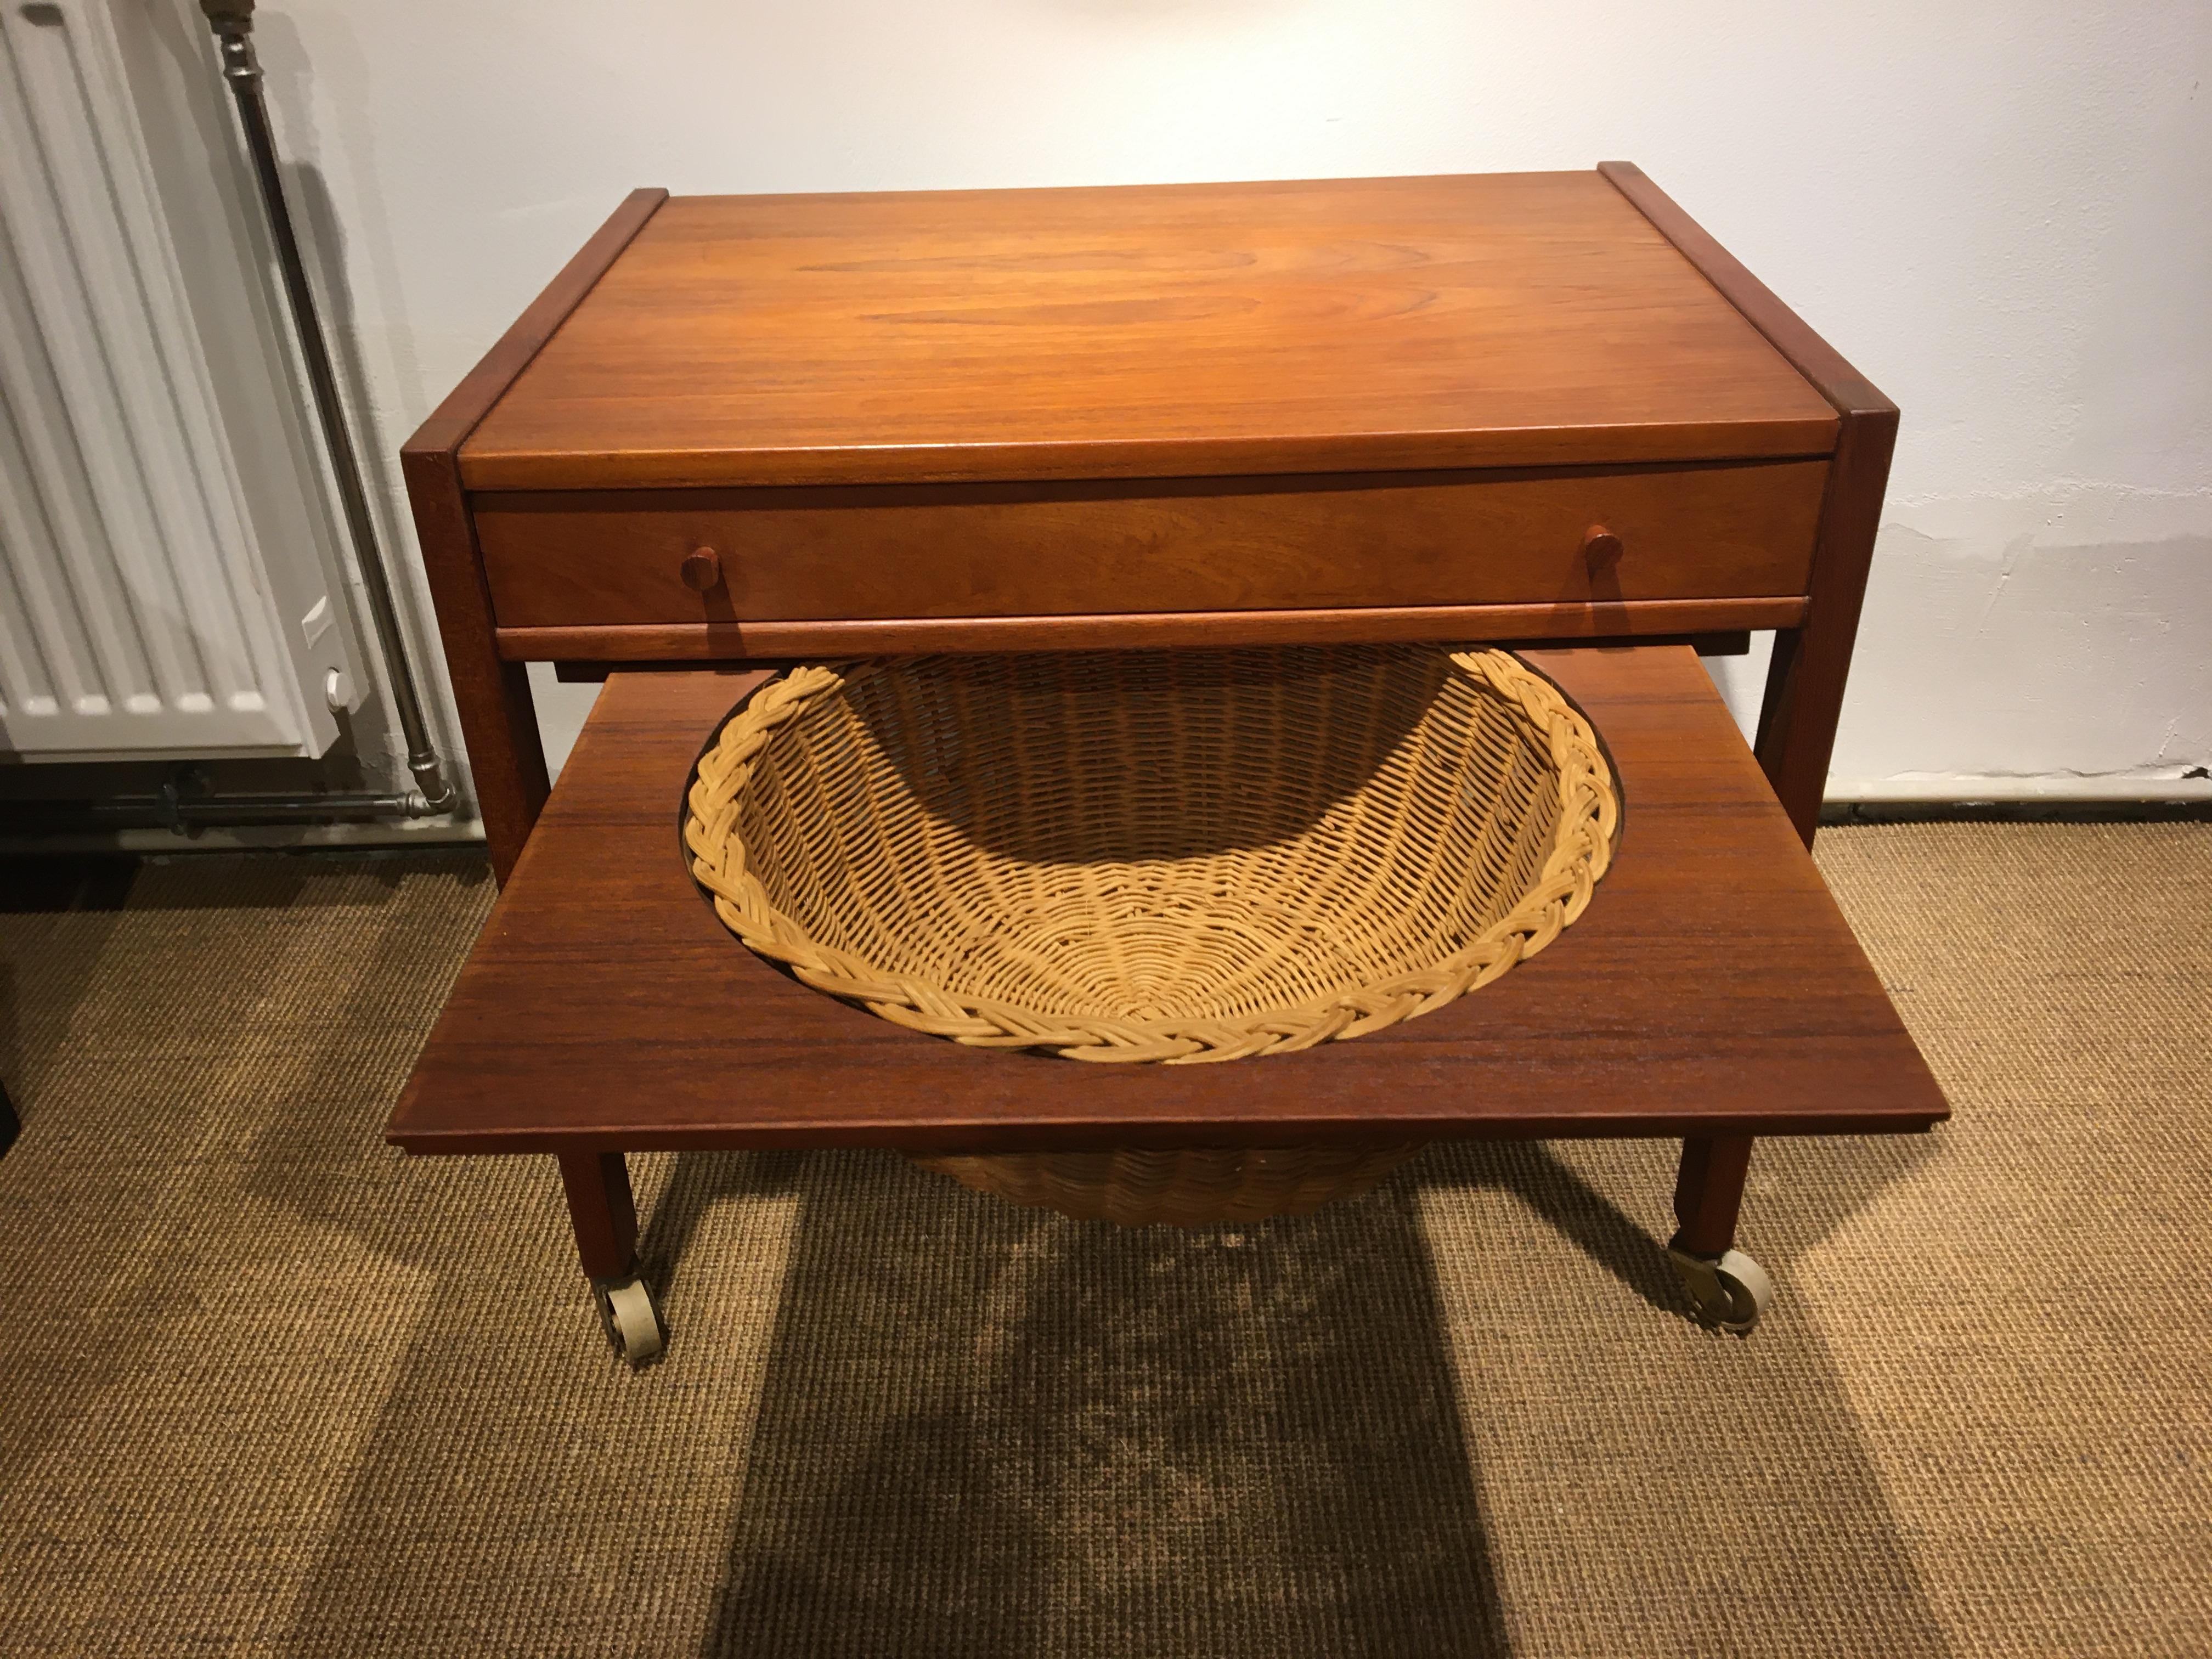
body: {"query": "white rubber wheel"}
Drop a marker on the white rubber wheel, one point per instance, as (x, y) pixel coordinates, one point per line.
(632, 1323)
(1750, 1291)
(1729, 1292)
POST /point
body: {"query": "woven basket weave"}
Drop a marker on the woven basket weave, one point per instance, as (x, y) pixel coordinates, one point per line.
(1155, 856)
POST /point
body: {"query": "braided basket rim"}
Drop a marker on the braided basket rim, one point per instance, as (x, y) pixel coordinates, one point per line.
(1586, 833)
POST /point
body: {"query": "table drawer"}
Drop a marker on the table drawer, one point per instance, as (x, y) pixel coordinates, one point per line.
(613, 557)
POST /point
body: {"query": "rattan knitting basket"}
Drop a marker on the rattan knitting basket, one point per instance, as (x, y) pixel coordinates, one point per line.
(1169, 857)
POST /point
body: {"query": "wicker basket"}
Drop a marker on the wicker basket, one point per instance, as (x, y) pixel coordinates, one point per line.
(1179, 857)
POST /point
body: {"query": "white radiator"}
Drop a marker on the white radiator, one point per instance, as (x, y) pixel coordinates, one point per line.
(170, 584)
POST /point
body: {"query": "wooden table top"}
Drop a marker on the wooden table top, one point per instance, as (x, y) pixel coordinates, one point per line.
(1712, 987)
(1529, 319)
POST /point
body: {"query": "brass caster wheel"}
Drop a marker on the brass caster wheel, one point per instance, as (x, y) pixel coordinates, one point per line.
(1727, 1292)
(629, 1317)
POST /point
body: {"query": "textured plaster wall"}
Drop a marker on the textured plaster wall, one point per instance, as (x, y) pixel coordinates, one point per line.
(1997, 211)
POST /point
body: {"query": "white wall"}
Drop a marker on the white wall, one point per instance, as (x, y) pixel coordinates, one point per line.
(1998, 211)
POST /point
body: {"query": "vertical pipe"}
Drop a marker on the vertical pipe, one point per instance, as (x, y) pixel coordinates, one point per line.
(233, 23)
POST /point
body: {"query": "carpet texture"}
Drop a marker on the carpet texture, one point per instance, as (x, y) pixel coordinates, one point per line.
(267, 1386)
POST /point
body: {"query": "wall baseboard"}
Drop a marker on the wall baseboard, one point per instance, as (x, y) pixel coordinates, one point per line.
(2047, 811)
(2053, 787)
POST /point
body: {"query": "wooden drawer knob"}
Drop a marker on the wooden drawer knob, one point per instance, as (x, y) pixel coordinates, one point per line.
(702, 568)
(1600, 546)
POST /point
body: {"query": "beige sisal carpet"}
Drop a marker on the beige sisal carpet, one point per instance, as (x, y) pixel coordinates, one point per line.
(267, 1387)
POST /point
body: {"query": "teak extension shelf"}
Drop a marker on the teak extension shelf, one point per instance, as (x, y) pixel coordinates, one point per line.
(1545, 409)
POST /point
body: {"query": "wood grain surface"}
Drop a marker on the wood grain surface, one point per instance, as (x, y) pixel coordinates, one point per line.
(1712, 987)
(1525, 319)
(1392, 539)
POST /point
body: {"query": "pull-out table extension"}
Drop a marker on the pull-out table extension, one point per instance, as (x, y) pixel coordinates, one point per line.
(1545, 409)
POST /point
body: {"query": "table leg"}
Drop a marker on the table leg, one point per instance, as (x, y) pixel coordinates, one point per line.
(604, 1217)
(1726, 1288)
(1708, 1191)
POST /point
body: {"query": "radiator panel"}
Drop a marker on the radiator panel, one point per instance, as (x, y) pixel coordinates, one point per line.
(143, 612)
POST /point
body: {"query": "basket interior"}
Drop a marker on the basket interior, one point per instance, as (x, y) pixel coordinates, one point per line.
(1152, 835)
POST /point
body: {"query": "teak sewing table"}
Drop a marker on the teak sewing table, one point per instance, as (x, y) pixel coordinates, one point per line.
(1543, 409)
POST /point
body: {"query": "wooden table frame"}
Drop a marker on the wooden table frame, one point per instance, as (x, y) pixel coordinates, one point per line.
(1814, 636)
(1814, 633)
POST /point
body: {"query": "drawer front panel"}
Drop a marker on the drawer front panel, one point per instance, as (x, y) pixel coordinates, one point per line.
(606, 558)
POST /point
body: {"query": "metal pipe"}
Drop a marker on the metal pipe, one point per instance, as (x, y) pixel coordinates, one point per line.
(233, 23)
(169, 811)
(185, 801)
